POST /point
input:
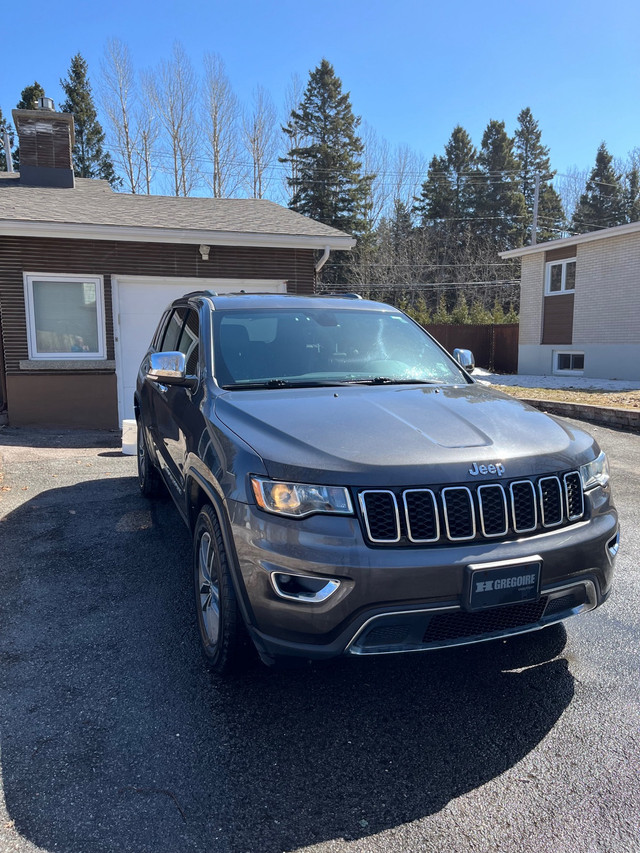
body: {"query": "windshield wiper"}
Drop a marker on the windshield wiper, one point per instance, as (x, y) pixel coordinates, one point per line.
(285, 383)
(390, 380)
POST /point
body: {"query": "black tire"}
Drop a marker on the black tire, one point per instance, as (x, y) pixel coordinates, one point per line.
(222, 633)
(148, 475)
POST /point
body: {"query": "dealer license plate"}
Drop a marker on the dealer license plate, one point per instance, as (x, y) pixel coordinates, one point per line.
(490, 585)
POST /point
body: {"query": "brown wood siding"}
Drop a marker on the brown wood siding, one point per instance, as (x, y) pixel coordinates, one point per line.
(107, 258)
(560, 254)
(76, 400)
(557, 324)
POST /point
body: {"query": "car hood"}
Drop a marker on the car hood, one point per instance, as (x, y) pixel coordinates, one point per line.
(366, 435)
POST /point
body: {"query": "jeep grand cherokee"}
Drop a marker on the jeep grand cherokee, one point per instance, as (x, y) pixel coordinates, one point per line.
(351, 490)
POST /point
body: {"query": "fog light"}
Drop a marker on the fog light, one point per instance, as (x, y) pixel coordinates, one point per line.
(613, 545)
(302, 587)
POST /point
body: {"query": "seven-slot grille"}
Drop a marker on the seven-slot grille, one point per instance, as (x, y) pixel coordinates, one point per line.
(461, 513)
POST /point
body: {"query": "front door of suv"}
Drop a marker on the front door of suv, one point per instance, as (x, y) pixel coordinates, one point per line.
(175, 406)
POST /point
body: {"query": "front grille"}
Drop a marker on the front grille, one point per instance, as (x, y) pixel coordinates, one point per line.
(453, 626)
(463, 513)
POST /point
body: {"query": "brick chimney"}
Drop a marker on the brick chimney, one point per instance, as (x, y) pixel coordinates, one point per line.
(46, 140)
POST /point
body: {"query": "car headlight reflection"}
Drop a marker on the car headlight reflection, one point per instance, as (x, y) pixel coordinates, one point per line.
(298, 499)
(595, 473)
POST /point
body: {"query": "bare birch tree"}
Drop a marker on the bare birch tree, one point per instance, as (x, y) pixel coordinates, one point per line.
(260, 140)
(408, 168)
(221, 128)
(570, 187)
(294, 139)
(148, 133)
(118, 93)
(173, 91)
(375, 161)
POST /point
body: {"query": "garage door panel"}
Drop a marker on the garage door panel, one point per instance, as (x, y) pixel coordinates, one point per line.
(140, 305)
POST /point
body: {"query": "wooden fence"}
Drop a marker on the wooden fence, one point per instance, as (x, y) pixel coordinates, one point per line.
(495, 347)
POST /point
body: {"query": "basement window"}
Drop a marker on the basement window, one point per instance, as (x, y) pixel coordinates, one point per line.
(568, 362)
(65, 316)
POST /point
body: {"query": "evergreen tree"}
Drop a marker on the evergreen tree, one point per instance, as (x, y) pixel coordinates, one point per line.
(447, 192)
(30, 96)
(441, 314)
(90, 160)
(632, 195)
(460, 313)
(602, 204)
(478, 314)
(4, 126)
(462, 159)
(498, 198)
(327, 183)
(436, 200)
(28, 101)
(533, 159)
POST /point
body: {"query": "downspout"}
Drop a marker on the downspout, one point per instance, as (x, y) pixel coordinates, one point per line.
(323, 260)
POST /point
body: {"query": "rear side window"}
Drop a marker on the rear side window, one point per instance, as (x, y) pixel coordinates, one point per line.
(174, 329)
(189, 341)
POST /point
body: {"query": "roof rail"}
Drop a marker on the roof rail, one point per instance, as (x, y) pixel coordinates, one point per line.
(199, 293)
(347, 295)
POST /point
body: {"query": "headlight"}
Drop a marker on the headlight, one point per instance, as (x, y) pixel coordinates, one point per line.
(595, 473)
(298, 500)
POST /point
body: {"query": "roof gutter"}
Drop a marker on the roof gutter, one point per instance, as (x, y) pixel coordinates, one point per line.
(323, 260)
(591, 236)
(145, 234)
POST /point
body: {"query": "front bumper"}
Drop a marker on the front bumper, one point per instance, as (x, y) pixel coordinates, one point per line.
(406, 599)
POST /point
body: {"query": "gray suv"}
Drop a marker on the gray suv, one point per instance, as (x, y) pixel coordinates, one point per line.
(352, 490)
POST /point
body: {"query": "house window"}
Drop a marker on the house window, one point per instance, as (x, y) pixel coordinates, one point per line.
(65, 316)
(568, 362)
(561, 277)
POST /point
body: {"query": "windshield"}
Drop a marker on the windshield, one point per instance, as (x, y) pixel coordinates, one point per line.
(287, 348)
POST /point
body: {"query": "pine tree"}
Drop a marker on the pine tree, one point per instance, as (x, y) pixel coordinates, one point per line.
(436, 200)
(30, 96)
(632, 195)
(602, 204)
(498, 199)
(441, 315)
(90, 160)
(533, 159)
(447, 192)
(460, 313)
(327, 182)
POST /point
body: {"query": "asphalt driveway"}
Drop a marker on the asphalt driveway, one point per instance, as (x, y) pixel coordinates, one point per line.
(114, 737)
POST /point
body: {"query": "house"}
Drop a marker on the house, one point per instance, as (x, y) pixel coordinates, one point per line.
(86, 272)
(580, 305)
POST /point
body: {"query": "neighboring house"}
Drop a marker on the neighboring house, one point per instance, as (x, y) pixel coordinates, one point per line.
(580, 305)
(85, 274)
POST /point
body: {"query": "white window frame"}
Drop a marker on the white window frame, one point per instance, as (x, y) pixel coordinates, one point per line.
(566, 371)
(34, 354)
(547, 279)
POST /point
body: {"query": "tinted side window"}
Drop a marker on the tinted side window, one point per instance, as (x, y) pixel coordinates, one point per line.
(172, 334)
(159, 332)
(189, 341)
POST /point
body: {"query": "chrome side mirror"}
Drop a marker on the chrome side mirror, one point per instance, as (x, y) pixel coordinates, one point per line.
(465, 359)
(169, 368)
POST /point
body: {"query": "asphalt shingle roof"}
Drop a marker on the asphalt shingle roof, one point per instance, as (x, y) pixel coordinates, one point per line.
(93, 202)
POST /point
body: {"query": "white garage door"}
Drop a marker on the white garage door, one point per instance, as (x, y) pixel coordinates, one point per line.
(138, 304)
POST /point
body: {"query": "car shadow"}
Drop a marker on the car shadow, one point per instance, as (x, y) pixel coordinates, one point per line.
(116, 737)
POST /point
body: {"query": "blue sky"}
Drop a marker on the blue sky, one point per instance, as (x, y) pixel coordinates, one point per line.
(414, 69)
